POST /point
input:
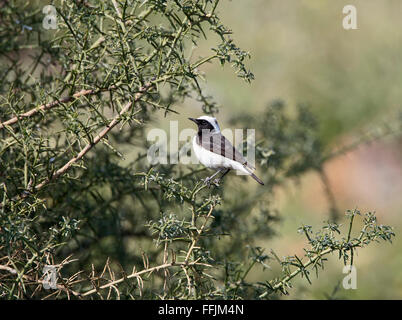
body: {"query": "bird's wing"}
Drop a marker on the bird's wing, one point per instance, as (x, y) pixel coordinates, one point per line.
(217, 143)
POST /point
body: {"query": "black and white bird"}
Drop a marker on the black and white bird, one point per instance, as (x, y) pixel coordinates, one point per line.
(214, 151)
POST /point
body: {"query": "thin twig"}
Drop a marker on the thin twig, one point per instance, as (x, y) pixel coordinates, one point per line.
(333, 208)
(197, 236)
(298, 270)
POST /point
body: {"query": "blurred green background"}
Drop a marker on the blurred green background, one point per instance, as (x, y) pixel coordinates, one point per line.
(300, 53)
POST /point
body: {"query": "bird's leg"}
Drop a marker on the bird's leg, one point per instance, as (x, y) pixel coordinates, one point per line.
(217, 181)
(207, 180)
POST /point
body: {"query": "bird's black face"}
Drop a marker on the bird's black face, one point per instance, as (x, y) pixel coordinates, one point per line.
(202, 124)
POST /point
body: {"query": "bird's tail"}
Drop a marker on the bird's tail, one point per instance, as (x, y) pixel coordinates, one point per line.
(257, 179)
(253, 175)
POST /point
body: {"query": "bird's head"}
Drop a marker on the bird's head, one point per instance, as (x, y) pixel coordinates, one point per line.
(206, 123)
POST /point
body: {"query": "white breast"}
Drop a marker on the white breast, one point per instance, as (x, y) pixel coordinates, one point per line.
(215, 161)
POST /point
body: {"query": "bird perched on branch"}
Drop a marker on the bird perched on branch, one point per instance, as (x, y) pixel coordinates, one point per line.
(214, 151)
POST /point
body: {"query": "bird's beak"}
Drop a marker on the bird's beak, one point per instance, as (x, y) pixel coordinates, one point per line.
(192, 119)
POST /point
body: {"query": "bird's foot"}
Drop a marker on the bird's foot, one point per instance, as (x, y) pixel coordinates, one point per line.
(209, 182)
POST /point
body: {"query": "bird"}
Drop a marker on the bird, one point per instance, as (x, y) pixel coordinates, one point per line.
(214, 151)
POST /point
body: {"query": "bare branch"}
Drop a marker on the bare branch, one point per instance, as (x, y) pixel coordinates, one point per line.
(145, 271)
(48, 106)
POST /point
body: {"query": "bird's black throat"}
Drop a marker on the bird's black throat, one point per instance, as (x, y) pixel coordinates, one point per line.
(204, 127)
